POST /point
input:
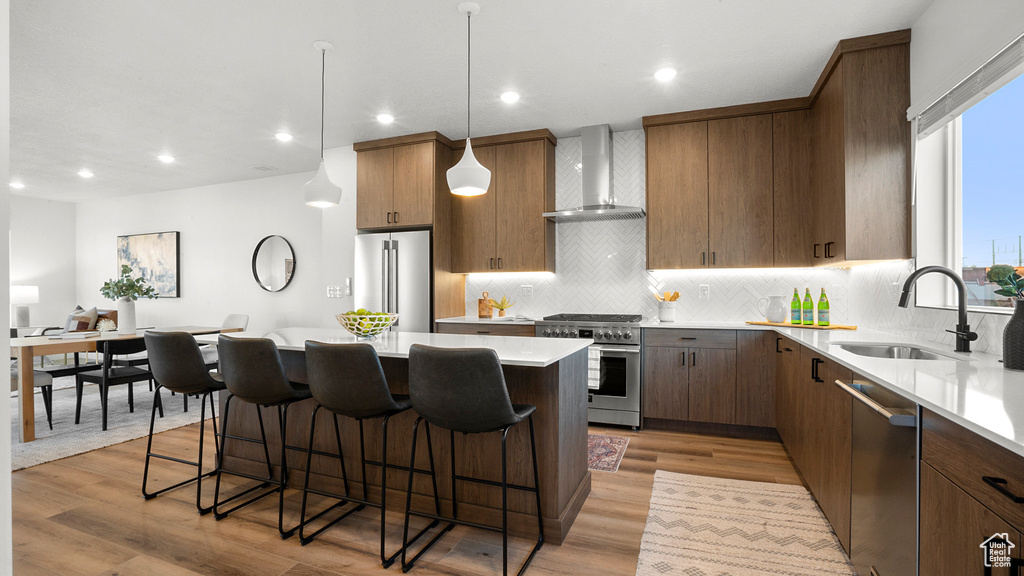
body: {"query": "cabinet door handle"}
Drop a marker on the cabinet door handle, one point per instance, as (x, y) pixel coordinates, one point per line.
(713, 259)
(483, 331)
(788, 349)
(703, 257)
(682, 358)
(499, 263)
(778, 342)
(816, 250)
(828, 250)
(389, 217)
(815, 362)
(693, 358)
(396, 217)
(687, 337)
(999, 484)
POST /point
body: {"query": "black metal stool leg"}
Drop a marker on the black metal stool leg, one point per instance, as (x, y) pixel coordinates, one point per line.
(264, 482)
(408, 498)
(504, 502)
(384, 560)
(341, 455)
(283, 421)
(305, 483)
(362, 459)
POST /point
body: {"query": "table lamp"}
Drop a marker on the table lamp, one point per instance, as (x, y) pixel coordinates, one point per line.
(21, 297)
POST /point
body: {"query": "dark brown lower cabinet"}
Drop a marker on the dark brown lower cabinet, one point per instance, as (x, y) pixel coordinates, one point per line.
(712, 386)
(665, 383)
(814, 419)
(953, 527)
(755, 377)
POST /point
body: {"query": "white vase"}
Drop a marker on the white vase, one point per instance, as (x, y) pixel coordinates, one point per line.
(126, 316)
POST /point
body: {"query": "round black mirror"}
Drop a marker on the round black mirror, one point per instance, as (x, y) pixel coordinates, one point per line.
(273, 263)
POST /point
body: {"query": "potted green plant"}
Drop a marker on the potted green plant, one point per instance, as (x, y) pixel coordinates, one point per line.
(125, 290)
(502, 305)
(1011, 284)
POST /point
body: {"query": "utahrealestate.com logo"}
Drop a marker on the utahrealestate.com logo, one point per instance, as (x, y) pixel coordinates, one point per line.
(998, 552)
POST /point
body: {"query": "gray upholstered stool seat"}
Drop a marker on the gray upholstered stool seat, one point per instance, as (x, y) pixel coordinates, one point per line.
(177, 365)
(253, 372)
(43, 381)
(348, 380)
(463, 390)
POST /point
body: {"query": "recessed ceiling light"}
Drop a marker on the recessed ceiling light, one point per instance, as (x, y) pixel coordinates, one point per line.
(510, 97)
(283, 136)
(165, 158)
(385, 118)
(17, 185)
(85, 173)
(665, 74)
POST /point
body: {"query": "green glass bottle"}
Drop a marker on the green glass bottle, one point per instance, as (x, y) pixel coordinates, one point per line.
(823, 309)
(808, 309)
(794, 309)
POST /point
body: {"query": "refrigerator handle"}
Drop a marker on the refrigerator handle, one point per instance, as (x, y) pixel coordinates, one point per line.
(385, 291)
(394, 278)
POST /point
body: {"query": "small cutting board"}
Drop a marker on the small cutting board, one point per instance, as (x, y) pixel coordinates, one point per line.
(811, 326)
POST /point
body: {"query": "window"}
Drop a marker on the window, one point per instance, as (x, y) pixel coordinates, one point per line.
(969, 194)
(992, 190)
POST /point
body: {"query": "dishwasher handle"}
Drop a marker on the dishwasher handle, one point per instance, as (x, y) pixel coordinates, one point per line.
(905, 420)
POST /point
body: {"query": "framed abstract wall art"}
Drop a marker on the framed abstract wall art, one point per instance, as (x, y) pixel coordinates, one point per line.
(155, 258)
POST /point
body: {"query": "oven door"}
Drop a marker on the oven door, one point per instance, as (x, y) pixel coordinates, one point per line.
(613, 378)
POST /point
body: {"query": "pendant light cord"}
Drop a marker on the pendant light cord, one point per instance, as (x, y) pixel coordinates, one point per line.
(469, 60)
(323, 67)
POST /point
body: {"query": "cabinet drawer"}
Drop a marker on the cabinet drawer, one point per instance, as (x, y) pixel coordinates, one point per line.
(690, 338)
(487, 329)
(964, 457)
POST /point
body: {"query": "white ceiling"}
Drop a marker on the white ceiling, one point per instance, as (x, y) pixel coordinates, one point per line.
(108, 85)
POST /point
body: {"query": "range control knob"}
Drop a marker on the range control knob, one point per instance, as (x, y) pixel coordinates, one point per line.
(628, 335)
(607, 335)
(565, 333)
(547, 332)
(574, 334)
(618, 335)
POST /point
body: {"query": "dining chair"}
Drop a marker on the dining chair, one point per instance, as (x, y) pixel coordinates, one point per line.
(463, 390)
(110, 374)
(232, 323)
(254, 374)
(41, 380)
(177, 365)
(348, 380)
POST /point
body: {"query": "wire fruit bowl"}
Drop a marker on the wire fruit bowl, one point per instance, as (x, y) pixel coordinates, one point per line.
(366, 326)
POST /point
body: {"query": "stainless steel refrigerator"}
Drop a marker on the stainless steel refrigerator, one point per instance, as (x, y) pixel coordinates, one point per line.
(393, 275)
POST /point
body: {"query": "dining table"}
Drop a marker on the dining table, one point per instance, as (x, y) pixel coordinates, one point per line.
(26, 349)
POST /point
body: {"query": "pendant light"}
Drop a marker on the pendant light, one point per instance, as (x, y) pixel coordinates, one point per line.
(468, 177)
(320, 192)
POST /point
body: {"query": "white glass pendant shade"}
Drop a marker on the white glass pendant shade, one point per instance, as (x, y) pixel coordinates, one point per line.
(320, 192)
(469, 177)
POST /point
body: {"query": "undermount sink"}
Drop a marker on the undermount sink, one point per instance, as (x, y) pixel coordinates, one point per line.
(894, 351)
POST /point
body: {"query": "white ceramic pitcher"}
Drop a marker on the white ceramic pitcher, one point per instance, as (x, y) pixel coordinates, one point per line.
(773, 308)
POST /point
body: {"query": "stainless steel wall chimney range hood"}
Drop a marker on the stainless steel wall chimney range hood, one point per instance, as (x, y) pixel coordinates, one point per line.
(598, 200)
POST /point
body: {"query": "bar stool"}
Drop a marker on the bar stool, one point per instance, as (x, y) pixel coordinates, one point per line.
(463, 390)
(253, 373)
(348, 380)
(177, 365)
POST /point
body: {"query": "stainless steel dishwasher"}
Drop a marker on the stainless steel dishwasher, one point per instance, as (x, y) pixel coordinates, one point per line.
(883, 520)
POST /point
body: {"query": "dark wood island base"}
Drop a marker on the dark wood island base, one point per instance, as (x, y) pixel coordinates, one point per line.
(558, 390)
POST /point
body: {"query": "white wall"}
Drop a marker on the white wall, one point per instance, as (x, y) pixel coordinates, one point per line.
(43, 254)
(6, 548)
(952, 39)
(220, 226)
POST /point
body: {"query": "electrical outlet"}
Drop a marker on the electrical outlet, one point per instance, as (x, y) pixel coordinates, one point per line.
(334, 291)
(526, 291)
(348, 286)
(705, 291)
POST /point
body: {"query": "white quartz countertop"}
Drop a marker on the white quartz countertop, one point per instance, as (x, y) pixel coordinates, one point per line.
(702, 325)
(972, 390)
(511, 350)
(495, 320)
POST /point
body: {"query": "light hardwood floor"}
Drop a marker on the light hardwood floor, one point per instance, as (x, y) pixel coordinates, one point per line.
(85, 516)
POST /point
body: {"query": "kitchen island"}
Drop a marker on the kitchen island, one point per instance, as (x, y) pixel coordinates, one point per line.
(550, 374)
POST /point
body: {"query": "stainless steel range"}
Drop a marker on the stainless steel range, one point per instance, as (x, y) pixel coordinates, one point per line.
(614, 368)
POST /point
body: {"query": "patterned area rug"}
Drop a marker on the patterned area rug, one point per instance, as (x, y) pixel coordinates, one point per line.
(68, 439)
(700, 526)
(604, 453)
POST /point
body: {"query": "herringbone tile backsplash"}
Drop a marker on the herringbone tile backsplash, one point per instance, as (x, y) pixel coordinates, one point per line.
(601, 269)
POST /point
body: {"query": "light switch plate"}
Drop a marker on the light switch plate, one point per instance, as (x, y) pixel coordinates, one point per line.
(526, 291)
(704, 291)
